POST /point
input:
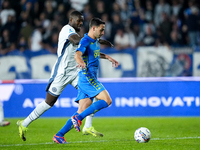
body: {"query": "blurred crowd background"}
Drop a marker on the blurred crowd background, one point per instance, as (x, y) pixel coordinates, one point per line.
(35, 24)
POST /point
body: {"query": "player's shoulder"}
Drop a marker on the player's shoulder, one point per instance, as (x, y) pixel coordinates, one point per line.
(85, 41)
(69, 29)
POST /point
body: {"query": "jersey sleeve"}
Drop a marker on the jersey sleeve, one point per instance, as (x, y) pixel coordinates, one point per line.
(82, 45)
(69, 31)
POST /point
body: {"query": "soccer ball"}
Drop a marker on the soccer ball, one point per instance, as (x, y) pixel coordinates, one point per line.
(142, 135)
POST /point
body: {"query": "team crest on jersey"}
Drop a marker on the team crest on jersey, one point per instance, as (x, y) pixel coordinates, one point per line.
(54, 89)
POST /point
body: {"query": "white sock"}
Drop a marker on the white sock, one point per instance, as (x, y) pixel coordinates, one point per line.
(1, 112)
(88, 120)
(36, 113)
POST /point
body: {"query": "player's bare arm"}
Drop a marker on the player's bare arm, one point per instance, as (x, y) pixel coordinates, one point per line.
(79, 59)
(75, 39)
(105, 42)
(114, 62)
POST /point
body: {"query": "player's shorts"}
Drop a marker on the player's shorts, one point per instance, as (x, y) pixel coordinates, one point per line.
(56, 85)
(88, 87)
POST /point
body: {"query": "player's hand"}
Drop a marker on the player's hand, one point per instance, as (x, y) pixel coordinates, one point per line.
(81, 65)
(114, 62)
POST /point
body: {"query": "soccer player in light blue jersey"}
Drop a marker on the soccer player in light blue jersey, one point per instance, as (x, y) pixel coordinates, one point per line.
(87, 56)
(63, 73)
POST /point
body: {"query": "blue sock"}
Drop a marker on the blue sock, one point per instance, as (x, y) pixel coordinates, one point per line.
(94, 107)
(67, 127)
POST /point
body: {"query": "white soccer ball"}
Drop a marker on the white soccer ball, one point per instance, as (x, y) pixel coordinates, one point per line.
(142, 135)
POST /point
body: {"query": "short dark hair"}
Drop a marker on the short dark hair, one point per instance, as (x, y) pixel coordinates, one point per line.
(75, 14)
(96, 22)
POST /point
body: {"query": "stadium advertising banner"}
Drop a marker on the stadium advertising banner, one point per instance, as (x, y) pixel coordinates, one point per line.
(127, 64)
(141, 62)
(182, 64)
(38, 65)
(153, 61)
(131, 97)
(164, 62)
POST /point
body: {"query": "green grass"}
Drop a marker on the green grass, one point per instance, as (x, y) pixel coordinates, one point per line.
(167, 134)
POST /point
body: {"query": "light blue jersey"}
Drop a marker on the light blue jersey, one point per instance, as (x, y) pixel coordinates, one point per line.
(88, 85)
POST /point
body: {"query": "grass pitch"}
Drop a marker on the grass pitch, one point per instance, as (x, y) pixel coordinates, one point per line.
(166, 134)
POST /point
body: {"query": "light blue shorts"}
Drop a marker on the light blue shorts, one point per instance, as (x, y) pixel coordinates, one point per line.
(88, 87)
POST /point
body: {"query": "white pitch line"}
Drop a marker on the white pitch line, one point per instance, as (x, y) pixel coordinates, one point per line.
(155, 139)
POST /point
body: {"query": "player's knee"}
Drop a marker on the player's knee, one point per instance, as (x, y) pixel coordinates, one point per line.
(109, 101)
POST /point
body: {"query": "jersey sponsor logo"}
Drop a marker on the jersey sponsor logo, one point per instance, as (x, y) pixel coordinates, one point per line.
(70, 31)
(96, 53)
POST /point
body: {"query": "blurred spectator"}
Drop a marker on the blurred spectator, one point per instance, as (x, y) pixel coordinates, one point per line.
(161, 7)
(49, 9)
(125, 13)
(175, 39)
(121, 39)
(135, 35)
(23, 16)
(6, 44)
(188, 10)
(116, 8)
(61, 12)
(149, 12)
(13, 27)
(132, 37)
(22, 44)
(161, 38)
(108, 27)
(87, 16)
(42, 20)
(52, 43)
(36, 39)
(116, 25)
(150, 37)
(28, 8)
(165, 26)
(100, 9)
(78, 4)
(193, 25)
(138, 15)
(6, 12)
(176, 7)
(26, 30)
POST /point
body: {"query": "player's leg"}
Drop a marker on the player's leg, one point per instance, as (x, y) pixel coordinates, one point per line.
(40, 109)
(54, 89)
(59, 137)
(88, 129)
(35, 114)
(2, 121)
(104, 102)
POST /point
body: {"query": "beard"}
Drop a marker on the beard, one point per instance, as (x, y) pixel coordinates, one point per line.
(77, 29)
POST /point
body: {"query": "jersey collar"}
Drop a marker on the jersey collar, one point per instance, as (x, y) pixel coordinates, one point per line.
(86, 35)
